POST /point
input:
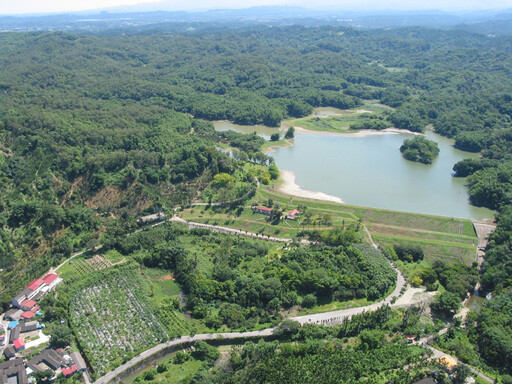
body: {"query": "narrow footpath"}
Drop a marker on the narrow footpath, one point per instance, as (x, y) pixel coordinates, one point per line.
(232, 231)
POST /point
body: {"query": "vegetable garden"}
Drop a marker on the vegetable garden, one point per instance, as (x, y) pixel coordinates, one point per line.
(112, 318)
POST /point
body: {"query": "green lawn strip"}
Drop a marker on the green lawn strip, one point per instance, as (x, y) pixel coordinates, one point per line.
(250, 220)
(336, 124)
(426, 235)
(335, 305)
(68, 270)
(175, 373)
(263, 228)
(434, 250)
(384, 216)
(267, 147)
(162, 287)
(468, 229)
(428, 241)
(113, 256)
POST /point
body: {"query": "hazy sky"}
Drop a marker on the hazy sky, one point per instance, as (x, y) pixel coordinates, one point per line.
(44, 6)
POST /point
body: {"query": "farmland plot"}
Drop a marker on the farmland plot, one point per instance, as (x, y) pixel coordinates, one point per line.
(113, 319)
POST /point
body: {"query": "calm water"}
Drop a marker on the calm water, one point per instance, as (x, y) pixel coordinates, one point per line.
(370, 171)
(261, 130)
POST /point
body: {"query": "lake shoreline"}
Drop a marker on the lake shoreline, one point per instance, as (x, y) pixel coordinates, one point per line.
(289, 187)
(361, 133)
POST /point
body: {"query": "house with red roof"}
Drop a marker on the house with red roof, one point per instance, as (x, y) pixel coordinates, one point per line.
(35, 290)
(263, 210)
(293, 214)
(27, 304)
(35, 284)
(51, 280)
(19, 344)
(69, 371)
(27, 315)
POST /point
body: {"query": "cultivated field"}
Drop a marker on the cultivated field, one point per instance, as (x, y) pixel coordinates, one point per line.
(113, 318)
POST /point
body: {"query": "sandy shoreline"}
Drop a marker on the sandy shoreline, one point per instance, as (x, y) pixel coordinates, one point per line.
(289, 187)
(362, 133)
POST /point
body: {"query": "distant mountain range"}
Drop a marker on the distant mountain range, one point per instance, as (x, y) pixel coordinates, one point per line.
(489, 22)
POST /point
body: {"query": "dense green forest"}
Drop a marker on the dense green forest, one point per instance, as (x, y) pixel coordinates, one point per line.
(96, 130)
(419, 149)
(239, 283)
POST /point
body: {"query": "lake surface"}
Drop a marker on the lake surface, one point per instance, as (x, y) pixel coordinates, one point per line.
(370, 171)
(261, 130)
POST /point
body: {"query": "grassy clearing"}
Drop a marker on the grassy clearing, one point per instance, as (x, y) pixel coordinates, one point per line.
(421, 234)
(162, 284)
(175, 373)
(267, 147)
(337, 123)
(414, 221)
(341, 122)
(335, 306)
(434, 250)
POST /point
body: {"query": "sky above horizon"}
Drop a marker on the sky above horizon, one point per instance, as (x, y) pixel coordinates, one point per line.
(55, 6)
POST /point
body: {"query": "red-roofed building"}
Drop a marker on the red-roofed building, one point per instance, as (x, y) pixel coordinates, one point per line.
(35, 309)
(27, 305)
(69, 371)
(292, 214)
(50, 279)
(27, 315)
(19, 344)
(35, 284)
(263, 210)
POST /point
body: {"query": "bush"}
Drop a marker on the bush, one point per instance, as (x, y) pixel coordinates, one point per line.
(309, 301)
(409, 253)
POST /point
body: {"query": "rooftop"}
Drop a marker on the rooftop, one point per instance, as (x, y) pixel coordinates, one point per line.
(28, 303)
(27, 315)
(19, 343)
(69, 371)
(35, 284)
(50, 278)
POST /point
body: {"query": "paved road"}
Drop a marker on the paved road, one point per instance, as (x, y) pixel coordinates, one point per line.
(232, 231)
(437, 354)
(483, 230)
(184, 339)
(327, 318)
(336, 317)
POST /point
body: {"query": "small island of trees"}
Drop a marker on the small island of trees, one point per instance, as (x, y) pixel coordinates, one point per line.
(419, 149)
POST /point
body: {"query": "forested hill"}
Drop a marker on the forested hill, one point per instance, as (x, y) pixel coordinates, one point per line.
(99, 128)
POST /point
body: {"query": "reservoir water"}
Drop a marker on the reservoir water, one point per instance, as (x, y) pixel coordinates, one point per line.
(370, 171)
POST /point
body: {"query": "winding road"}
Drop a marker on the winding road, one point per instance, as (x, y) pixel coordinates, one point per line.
(326, 318)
